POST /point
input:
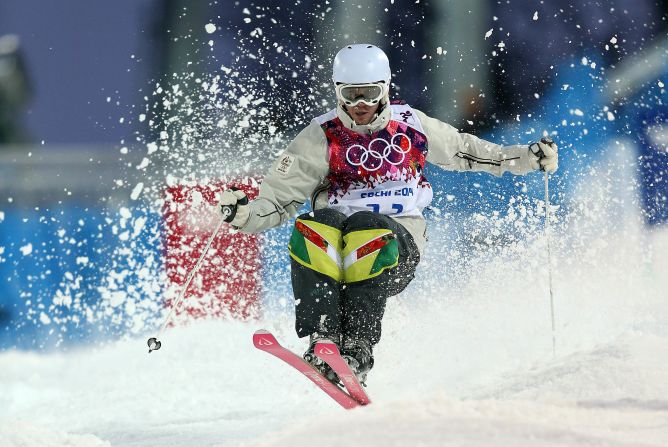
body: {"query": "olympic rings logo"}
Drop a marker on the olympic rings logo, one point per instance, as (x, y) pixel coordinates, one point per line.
(372, 158)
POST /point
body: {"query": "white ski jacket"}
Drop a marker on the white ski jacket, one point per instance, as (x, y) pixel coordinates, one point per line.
(301, 171)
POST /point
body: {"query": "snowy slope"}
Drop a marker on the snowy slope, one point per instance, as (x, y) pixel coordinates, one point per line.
(223, 393)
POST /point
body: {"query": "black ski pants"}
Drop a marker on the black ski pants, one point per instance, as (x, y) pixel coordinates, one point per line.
(345, 268)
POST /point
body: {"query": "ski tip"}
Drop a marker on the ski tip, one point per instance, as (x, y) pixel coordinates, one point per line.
(264, 340)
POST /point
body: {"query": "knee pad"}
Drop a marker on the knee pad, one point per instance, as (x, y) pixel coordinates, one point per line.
(317, 246)
(368, 253)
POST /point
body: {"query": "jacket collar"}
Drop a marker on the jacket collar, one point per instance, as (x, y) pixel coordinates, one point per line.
(379, 122)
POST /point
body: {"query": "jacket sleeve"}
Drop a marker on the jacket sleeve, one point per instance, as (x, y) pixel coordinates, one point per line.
(456, 151)
(290, 181)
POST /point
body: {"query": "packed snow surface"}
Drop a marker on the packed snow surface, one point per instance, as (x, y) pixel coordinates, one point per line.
(207, 386)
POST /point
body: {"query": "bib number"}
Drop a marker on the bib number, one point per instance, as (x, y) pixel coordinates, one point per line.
(397, 207)
(389, 201)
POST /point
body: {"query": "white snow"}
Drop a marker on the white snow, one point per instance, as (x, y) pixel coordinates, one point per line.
(489, 33)
(24, 434)
(125, 213)
(210, 28)
(26, 249)
(144, 163)
(44, 318)
(138, 226)
(136, 191)
(207, 386)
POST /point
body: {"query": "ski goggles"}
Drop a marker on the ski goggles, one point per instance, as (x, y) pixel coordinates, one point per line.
(353, 94)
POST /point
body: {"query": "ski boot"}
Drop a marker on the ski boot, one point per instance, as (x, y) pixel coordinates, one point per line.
(316, 362)
(359, 355)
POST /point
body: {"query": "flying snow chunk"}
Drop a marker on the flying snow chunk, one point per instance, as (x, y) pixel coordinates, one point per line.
(125, 213)
(2, 213)
(151, 148)
(196, 198)
(611, 116)
(144, 163)
(26, 249)
(578, 112)
(136, 191)
(660, 84)
(116, 298)
(210, 28)
(488, 33)
(535, 15)
(613, 40)
(138, 226)
(439, 50)
(44, 318)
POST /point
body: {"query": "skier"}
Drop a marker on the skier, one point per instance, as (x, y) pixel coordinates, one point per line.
(362, 166)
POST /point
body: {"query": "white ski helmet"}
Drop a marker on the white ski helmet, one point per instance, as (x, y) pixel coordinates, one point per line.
(361, 64)
(361, 73)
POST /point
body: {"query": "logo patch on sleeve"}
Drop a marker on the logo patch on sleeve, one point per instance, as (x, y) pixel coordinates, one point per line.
(285, 163)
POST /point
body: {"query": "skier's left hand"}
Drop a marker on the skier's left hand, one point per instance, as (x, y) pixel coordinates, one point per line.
(233, 204)
(546, 155)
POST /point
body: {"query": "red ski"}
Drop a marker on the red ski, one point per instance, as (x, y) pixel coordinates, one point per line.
(329, 352)
(265, 341)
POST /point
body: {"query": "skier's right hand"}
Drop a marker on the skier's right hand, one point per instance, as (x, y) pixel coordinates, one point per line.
(233, 205)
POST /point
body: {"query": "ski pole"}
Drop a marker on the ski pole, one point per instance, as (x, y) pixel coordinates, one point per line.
(540, 154)
(549, 263)
(154, 343)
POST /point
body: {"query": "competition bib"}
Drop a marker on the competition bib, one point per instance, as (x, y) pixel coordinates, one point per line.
(382, 172)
